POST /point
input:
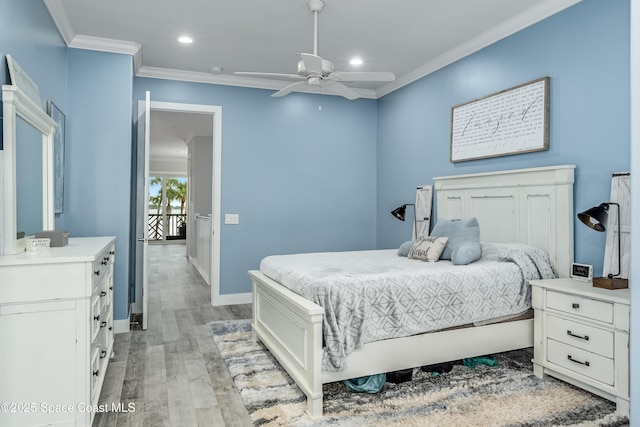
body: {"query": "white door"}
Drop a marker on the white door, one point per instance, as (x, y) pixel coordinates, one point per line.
(142, 211)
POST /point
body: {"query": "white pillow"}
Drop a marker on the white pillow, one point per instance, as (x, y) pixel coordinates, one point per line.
(427, 248)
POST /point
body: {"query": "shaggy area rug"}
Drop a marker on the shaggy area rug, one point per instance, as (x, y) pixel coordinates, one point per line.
(504, 395)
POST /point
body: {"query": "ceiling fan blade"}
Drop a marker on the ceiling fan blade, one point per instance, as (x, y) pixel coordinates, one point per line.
(342, 90)
(362, 76)
(287, 90)
(268, 75)
(312, 62)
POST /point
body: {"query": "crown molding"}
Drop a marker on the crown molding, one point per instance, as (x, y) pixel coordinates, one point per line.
(507, 28)
(60, 19)
(105, 45)
(229, 80)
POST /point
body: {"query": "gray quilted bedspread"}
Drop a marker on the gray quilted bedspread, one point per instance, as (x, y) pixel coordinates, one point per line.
(375, 295)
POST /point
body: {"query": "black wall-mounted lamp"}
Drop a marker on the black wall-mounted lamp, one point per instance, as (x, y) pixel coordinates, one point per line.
(596, 218)
(400, 212)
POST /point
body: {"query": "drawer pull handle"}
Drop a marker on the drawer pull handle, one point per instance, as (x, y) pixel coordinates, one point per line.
(103, 324)
(585, 363)
(96, 318)
(103, 294)
(112, 252)
(96, 372)
(103, 262)
(103, 354)
(571, 334)
(97, 272)
(575, 306)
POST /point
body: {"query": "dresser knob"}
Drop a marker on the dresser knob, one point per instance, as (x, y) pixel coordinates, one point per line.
(96, 372)
(97, 272)
(112, 252)
(575, 306)
(96, 318)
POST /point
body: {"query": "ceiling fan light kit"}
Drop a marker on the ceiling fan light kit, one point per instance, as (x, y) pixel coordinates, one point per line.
(316, 71)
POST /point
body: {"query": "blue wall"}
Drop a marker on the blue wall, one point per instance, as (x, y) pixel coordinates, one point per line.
(28, 34)
(585, 52)
(300, 171)
(98, 162)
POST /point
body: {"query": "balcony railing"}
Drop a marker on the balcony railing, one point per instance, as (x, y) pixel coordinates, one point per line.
(176, 226)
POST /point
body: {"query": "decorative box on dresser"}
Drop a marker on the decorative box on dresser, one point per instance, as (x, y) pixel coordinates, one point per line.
(581, 336)
(56, 332)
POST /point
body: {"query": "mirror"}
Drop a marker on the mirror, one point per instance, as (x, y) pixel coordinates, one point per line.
(29, 210)
(27, 169)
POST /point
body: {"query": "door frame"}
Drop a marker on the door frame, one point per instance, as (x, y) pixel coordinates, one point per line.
(216, 185)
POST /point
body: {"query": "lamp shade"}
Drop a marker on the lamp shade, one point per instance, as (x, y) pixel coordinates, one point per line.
(596, 217)
(400, 212)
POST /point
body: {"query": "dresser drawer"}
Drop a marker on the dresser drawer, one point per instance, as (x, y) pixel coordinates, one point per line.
(95, 316)
(94, 375)
(100, 266)
(579, 335)
(589, 364)
(580, 306)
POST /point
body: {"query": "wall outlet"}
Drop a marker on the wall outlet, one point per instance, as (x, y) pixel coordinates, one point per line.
(231, 218)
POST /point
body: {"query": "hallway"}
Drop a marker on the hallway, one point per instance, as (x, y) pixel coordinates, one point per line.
(172, 372)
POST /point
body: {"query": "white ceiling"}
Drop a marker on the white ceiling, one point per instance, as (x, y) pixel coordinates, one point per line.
(410, 38)
(171, 130)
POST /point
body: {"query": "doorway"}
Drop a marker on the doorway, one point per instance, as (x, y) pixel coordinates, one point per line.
(163, 170)
(167, 219)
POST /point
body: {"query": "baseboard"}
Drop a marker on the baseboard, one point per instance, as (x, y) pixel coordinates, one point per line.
(121, 326)
(233, 299)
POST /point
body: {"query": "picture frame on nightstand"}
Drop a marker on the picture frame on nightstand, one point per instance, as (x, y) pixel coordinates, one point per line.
(581, 272)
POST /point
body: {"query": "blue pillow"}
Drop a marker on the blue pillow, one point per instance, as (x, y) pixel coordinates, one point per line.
(463, 246)
(404, 249)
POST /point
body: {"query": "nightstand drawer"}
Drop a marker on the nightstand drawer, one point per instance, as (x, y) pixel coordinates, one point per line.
(592, 365)
(580, 306)
(579, 335)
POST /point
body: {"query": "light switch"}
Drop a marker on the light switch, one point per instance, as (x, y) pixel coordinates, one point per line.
(231, 218)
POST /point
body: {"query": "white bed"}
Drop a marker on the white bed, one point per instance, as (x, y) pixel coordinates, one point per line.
(532, 206)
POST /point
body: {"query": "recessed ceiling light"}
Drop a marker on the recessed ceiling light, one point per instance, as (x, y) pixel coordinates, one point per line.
(185, 39)
(355, 61)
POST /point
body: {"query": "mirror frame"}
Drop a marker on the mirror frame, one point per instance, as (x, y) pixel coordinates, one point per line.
(15, 103)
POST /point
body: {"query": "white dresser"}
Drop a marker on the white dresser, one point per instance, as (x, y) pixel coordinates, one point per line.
(56, 332)
(581, 336)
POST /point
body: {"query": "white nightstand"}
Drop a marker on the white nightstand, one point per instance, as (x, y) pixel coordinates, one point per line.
(581, 336)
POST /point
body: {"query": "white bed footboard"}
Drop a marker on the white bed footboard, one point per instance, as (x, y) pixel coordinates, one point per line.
(290, 326)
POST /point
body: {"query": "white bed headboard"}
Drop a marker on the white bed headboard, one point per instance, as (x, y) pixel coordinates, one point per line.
(532, 206)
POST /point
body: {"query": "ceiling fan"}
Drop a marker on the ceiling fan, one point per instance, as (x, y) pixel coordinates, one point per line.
(316, 71)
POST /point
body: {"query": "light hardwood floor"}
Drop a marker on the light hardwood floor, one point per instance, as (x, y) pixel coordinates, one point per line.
(172, 373)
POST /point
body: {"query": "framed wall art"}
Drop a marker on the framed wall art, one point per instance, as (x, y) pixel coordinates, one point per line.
(512, 121)
(58, 156)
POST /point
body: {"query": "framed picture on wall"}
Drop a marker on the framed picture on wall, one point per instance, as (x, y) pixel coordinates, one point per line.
(512, 121)
(58, 156)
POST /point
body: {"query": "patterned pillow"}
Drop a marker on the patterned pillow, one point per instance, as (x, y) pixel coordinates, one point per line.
(427, 248)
